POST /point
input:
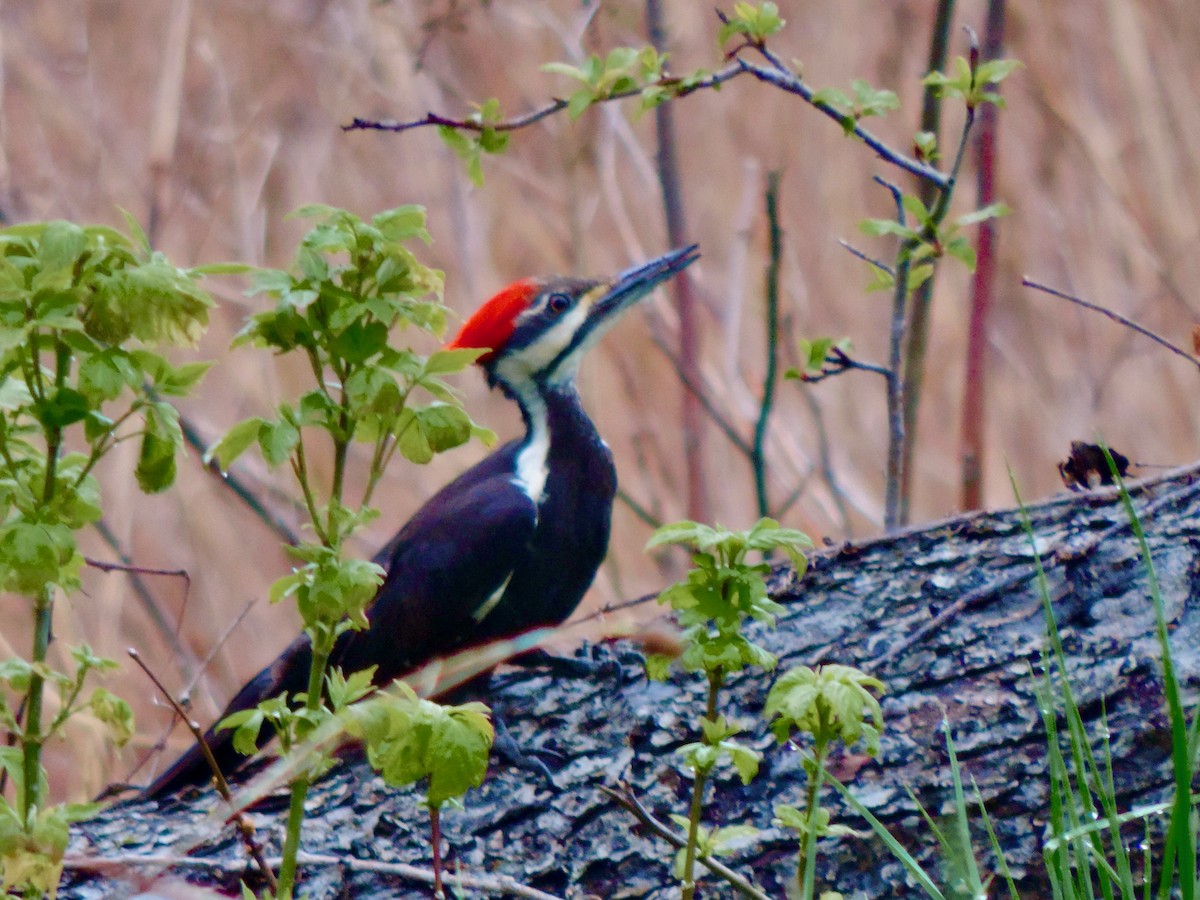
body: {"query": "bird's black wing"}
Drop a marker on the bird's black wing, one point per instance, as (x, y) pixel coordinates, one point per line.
(452, 558)
(455, 553)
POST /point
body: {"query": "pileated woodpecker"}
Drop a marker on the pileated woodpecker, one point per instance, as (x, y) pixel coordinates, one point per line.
(511, 544)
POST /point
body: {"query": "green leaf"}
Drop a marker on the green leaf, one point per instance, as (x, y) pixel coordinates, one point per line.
(832, 97)
(658, 666)
(578, 102)
(402, 223)
(113, 712)
(235, 442)
(134, 227)
(757, 23)
(64, 407)
(730, 838)
(460, 743)
(561, 68)
(689, 533)
(961, 249)
(790, 817)
(914, 206)
(104, 375)
(342, 690)
(178, 382)
(246, 724)
(360, 341)
(829, 702)
(445, 426)
(918, 275)
(15, 672)
(411, 439)
(155, 470)
(991, 211)
(880, 227)
(34, 555)
(871, 102)
(444, 362)
(226, 268)
(744, 760)
(996, 70)
(926, 145)
(467, 149)
(277, 440)
(409, 739)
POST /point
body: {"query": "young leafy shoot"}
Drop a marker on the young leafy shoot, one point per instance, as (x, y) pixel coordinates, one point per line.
(973, 85)
(712, 604)
(84, 312)
(756, 22)
(863, 101)
(355, 284)
(469, 146)
(829, 703)
(625, 70)
(409, 740)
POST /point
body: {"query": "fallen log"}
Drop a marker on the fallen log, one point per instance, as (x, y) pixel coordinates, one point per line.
(947, 615)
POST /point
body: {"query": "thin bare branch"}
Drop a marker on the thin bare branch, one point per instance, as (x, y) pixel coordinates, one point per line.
(974, 402)
(638, 509)
(139, 570)
(496, 885)
(869, 260)
(627, 801)
(244, 827)
(895, 376)
(705, 401)
(839, 361)
(681, 288)
(1115, 316)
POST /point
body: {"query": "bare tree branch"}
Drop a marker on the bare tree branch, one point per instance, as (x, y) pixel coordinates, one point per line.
(1115, 316)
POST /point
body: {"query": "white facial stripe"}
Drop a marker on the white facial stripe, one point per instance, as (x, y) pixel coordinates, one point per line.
(521, 365)
(569, 365)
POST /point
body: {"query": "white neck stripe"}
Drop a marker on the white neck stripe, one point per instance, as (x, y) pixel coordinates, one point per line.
(532, 464)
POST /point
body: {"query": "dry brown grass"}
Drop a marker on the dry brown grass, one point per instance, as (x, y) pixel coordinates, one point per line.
(221, 116)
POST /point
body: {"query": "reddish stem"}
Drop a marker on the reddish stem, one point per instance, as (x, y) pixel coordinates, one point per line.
(435, 837)
(982, 285)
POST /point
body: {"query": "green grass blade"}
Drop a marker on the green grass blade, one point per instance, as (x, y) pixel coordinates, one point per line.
(997, 850)
(964, 859)
(894, 846)
(1181, 838)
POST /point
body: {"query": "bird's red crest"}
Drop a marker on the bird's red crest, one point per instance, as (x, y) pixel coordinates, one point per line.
(494, 322)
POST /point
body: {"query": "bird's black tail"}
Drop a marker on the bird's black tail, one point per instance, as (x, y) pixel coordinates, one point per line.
(287, 673)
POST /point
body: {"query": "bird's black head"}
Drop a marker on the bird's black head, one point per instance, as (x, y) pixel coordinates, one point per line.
(537, 330)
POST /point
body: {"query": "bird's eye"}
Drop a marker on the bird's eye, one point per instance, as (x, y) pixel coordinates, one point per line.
(558, 303)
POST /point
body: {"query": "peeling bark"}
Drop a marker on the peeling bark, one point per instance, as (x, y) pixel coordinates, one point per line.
(948, 616)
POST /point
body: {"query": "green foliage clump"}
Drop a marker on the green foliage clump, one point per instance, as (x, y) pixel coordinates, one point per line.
(355, 285)
(721, 593)
(409, 739)
(625, 70)
(84, 312)
(829, 704)
(756, 22)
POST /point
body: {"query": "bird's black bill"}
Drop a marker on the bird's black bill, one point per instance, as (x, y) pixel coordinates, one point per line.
(633, 284)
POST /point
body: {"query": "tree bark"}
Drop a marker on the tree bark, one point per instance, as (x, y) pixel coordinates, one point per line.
(947, 615)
